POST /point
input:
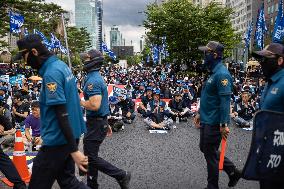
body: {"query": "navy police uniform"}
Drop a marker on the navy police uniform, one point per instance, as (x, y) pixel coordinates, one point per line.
(97, 127)
(219, 85)
(214, 111)
(272, 97)
(273, 100)
(53, 161)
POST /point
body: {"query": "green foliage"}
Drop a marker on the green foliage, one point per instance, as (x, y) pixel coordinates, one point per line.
(187, 26)
(78, 39)
(132, 60)
(45, 17)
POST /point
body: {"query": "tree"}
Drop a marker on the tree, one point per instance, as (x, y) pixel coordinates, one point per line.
(38, 15)
(45, 17)
(187, 26)
(78, 39)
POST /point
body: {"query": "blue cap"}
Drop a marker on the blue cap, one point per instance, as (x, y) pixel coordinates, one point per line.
(158, 92)
(179, 81)
(149, 88)
(3, 88)
(113, 100)
(185, 86)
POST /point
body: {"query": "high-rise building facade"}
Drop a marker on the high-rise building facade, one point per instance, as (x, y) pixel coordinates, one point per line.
(245, 12)
(204, 3)
(85, 16)
(99, 23)
(115, 37)
(270, 11)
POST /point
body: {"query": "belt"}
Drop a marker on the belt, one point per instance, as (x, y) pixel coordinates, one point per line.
(98, 118)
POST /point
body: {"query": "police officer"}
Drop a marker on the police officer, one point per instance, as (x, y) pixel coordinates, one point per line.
(61, 119)
(214, 115)
(96, 104)
(178, 108)
(272, 63)
(6, 165)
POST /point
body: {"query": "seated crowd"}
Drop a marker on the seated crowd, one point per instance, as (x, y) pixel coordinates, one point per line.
(164, 98)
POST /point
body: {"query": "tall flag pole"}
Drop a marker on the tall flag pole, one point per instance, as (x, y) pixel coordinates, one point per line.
(66, 41)
(278, 32)
(260, 29)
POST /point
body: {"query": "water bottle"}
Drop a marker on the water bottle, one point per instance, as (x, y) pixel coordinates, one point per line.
(177, 120)
(148, 107)
(120, 112)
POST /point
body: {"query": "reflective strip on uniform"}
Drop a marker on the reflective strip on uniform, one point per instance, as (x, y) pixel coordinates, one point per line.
(18, 139)
(19, 153)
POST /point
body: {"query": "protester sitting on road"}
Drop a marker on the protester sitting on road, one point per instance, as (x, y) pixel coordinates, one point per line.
(142, 109)
(20, 110)
(7, 135)
(6, 165)
(243, 111)
(128, 108)
(178, 108)
(115, 118)
(187, 96)
(33, 122)
(159, 119)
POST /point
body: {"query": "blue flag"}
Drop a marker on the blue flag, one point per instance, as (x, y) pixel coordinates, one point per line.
(260, 29)
(44, 39)
(56, 44)
(155, 53)
(16, 22)
(164, 51)
(148, 59)
(278, 32)
(109, 52)
(248, 34)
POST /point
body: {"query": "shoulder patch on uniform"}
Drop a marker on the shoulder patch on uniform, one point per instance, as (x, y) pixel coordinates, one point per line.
(224, 82)
(90, 87)
(52, 86)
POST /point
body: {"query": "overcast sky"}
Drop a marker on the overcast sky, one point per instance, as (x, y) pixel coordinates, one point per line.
(123, 13)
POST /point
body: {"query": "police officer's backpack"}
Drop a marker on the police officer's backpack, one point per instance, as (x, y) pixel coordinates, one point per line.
(266, 157)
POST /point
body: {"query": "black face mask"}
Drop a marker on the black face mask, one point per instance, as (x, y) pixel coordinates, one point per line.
(269, 67)
(33, 61)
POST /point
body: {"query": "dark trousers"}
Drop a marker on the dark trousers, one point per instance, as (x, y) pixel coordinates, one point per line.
(96, 133)
(210, 139)
(265, 184)
(9, 170)
(54, 163)
(142, 112)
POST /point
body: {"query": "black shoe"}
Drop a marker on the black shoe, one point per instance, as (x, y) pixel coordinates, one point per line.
(234, 178)
(124, 183)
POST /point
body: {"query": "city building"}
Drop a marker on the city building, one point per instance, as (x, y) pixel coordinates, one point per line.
(99, 12)
(270, 11)
(204, 3)
(69, 15)
(115, 37)
(86, 16)
(123, 51)
(245, 12)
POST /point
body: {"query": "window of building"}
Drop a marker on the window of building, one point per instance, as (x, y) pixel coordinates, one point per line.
(268, 10)
(272, 9)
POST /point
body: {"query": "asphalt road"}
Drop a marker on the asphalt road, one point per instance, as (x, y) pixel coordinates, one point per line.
(168, 161)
